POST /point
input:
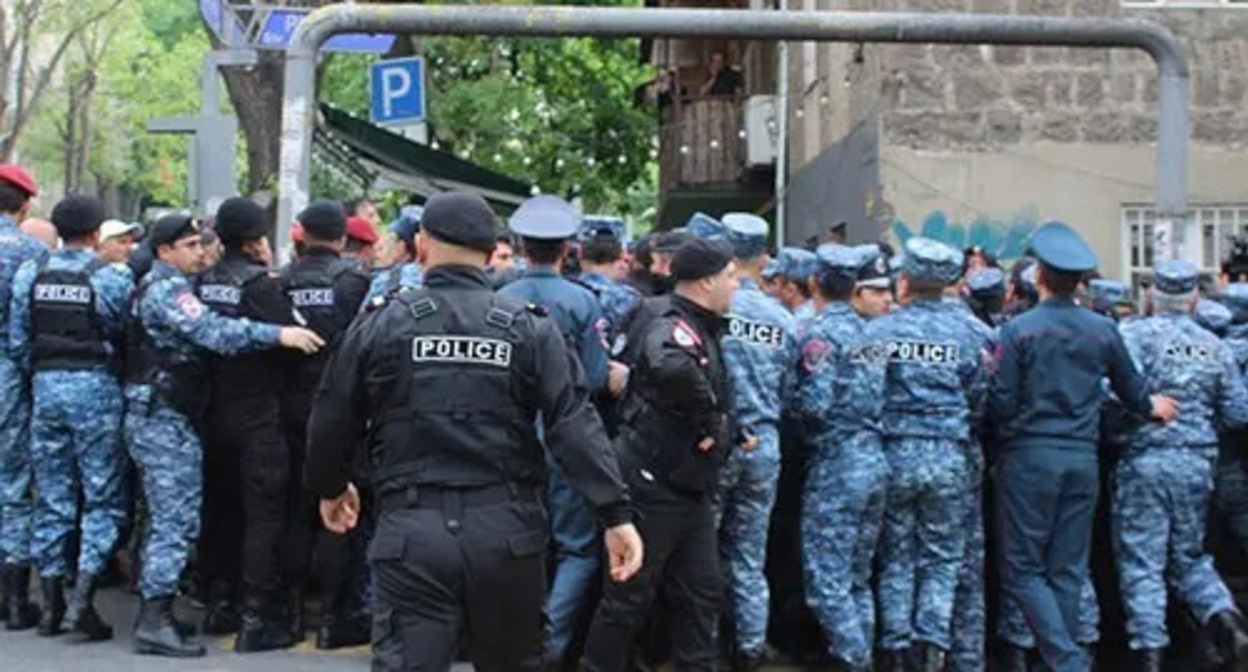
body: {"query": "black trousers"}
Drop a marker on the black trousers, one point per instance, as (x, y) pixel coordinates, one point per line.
(681, 554)
(459, 562)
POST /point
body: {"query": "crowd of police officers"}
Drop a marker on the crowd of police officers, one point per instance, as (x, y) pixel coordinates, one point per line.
(606, 457)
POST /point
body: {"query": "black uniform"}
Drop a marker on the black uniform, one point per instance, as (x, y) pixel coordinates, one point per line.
(245, 443)
(677, 396)
(326, 291)
(449, 380)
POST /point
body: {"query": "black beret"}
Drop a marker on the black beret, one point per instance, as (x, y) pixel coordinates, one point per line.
(240, 219)
(171, 228)
(77, 215)
(460, 219)
(667, 242)
(700, 258)
(324, 220)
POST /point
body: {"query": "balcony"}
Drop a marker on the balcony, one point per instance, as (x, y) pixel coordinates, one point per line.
(701, 143)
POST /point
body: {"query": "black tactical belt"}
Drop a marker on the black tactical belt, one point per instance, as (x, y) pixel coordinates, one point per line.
(437, 497)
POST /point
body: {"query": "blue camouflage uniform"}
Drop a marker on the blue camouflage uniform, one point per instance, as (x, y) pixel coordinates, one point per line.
(403, 276)
(1232, 476)
(1163, 484)
(799, 266)
(1046, 403)
(16, 499)
(932, 387)
(162, 440)
(575, 309)
(1214, 317)
(760, 348)
(617, 299)
(76, 425)
(843, 508)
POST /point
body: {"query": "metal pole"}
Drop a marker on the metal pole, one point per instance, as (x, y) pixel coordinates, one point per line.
(782, 142)
(320, 25)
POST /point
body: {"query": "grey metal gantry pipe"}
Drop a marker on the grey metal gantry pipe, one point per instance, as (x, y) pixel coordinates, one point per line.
(299, 108)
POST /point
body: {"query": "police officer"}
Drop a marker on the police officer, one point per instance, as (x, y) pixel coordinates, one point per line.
(932, 384)
(601, 253)
(1214, 317)
(1162, 485)
(1046, 401)
(327, 292)
(17, 189)
(67, 326)
(760, 349)
(245, 423)
(451, 379)
(404, 272)
(1232, 478)
(170, 329)
(544, 225)
(848, 473)
(1110, 298)
(676, 435)
(796, 266)
(986, 294)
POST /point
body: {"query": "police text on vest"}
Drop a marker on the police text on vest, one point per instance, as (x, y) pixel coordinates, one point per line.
(461, 350)
(63, 294)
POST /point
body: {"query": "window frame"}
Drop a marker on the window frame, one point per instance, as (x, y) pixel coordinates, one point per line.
(1214, 219)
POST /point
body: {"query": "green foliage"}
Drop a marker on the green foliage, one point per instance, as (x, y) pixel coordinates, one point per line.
(556, 112)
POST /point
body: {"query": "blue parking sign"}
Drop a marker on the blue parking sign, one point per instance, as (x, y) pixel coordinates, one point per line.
(398, 91)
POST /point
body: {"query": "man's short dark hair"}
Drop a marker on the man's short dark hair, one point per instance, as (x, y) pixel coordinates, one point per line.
(12, 199)
(544, 252)
(836, 287)
(1061, 284)
(602, 250)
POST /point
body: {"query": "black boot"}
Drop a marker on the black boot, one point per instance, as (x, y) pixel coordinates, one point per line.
(747, 661)
(1149, 660)
(157, 633)
(894, 661)
(928, 657)
(52, 591)
(19, 612)
(1226, 630)
(295, 605)
(221, 617)
(262, 630)
(81, 616)
(1014, 659)
(342, 630)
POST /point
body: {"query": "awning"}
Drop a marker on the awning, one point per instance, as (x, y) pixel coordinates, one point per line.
(386, 160)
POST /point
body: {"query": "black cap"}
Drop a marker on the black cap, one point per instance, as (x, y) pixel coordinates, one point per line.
(77, 215)
(171, 228)
(461, 219)
(668, 242)
(239, 220)
(700, 258)
(324, 220)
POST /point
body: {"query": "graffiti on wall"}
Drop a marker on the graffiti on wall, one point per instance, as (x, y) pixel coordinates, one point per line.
(1004, 238)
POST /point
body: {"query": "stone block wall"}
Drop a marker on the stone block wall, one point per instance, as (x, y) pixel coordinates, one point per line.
(985, 97)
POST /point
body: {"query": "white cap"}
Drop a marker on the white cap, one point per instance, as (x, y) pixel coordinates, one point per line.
(113, 228)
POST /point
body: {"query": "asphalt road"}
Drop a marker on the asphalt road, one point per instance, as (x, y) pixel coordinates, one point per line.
(27, 652)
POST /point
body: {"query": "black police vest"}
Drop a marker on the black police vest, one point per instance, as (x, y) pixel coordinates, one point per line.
(222, 289)
(456, 412)
(175, 378)
(66, 331)
(310, 287)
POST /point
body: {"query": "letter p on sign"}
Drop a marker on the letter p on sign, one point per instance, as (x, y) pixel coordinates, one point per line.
(398, 91)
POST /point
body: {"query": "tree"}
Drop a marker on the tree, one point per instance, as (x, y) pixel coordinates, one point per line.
(25, 25)
(557, 112)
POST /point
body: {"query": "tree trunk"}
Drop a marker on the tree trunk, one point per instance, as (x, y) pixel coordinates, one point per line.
(257, 98)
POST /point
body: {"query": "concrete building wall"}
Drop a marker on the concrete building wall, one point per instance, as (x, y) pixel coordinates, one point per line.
(999, 138)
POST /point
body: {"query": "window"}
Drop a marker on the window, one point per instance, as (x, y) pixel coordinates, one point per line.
(1217, 223)
(1183, 4)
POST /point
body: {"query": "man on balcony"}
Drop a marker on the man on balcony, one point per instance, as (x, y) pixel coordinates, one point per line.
(721, 80)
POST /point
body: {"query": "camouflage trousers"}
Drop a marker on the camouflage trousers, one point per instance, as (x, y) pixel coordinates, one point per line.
(924, 541)
(745, 497)
(1161, 499)
(169, 457)
(842, 515)
(1231, 492)
(16, 495)
(967, 649)
(76, 443)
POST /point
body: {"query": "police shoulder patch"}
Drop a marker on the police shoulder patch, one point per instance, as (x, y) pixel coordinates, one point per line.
(685, 336)
(815, 354)
(190, 306)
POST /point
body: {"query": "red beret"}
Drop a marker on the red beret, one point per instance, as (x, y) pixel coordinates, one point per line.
(18, 177)
(359, 229)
